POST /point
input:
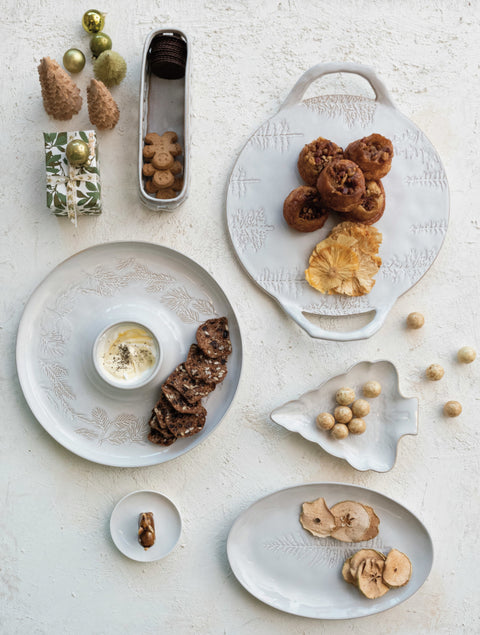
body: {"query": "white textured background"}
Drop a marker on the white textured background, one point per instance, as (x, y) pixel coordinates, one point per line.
(59, 570)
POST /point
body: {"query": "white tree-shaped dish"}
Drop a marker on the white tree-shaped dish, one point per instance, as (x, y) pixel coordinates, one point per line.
(391, 417)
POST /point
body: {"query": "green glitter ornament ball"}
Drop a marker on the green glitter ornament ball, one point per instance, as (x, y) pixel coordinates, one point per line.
(110, 68)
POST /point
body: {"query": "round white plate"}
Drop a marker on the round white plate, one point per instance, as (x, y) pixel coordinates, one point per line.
(391, 417)
(124, 525)
(126, 281)
(276, 256)
(283, 565)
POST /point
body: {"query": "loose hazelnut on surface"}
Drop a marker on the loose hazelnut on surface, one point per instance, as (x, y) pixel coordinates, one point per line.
(357, 426)
(434, 372)
(360, 408)
(371, 389)
(339, 431)
(342, 414)
(345, 396)
(325, 421)
(452, 409)
(415, 320)
(466, 355)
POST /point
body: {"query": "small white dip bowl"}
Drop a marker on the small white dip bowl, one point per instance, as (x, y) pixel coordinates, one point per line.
(99, 348)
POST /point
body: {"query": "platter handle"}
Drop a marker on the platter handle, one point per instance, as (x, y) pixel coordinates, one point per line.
(338, 336)
(319, 70)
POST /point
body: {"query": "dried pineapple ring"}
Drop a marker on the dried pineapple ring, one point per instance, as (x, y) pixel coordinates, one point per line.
(330, 266)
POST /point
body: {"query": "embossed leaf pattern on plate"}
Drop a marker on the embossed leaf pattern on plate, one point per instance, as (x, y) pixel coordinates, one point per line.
(55, 330)
(275, 135)
(250, 229)
(352, 109)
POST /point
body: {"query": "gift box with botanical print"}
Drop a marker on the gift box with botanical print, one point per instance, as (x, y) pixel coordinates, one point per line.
(72, 189)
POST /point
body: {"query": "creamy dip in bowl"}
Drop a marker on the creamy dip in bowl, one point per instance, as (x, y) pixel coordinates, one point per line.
(126, 355)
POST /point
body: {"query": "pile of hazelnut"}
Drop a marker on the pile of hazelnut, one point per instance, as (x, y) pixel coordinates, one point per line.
(348, 416)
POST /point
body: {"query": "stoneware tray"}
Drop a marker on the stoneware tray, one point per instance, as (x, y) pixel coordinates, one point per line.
(150, 284)
(391, 417)
(164, 105)
(413, 226)
(283, 565)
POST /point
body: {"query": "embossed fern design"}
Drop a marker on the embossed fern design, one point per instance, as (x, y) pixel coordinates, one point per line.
(155, 282)
(124, 428)
(187, 307)
(275, 135)
(428, 179)
(353, 109)
(282, 280)
(432, 227)
(337, 305)
(323, 552)
(411, 266)
(250, 229)
(240, 181)
(412, 144)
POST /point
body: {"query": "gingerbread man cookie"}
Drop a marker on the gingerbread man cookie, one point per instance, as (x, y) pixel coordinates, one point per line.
(160, 150)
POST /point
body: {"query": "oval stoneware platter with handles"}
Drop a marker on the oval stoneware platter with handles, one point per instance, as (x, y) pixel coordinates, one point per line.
(413, 226)
(283, 565)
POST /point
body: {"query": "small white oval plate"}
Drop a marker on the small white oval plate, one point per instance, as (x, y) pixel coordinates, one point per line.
(391, 417)
(124, 525)
(281, 564)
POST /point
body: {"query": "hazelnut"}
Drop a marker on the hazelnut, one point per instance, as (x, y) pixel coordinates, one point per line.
(466, 355)
(415, 320)
(325, 421)
(339, 431)
(342, 414)
(360, 408)
(345, 396)
(371, 389)
(434, 372)
(357, 426)
(452, 409)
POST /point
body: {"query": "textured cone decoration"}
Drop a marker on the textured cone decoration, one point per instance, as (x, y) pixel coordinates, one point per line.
(61, 96)
(102, 109)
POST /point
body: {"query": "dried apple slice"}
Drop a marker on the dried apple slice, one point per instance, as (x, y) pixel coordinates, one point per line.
(352, 521)
(370, 579)
(347, 576)
(317, 518)
(372, 531)
(357, 559)
(398, 569)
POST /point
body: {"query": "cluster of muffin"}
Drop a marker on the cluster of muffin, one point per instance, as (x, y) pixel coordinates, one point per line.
(343, 181)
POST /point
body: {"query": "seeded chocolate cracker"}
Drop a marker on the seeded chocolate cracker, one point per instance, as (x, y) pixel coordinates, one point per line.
(204, 368)
(190, 388)
(180, 403)
(161, 438)
(177, 423)
(213, 337)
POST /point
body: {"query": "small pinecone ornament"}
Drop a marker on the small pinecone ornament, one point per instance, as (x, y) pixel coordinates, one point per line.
(61, 96)
(102, 109)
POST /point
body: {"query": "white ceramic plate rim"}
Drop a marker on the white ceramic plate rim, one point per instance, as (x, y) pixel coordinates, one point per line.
(323, 484)
(44, 421)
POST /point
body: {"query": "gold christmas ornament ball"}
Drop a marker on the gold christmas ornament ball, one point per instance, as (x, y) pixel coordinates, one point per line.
(77, 152)
(100, 42)
(452, 409)
(372, 389)
(74, 60)
(325, 421)
(434, 372)
(93, 21)
(415, 320)
(466, 355)
(339, 431)
(345, 396)
(110, 68)
(357, 426)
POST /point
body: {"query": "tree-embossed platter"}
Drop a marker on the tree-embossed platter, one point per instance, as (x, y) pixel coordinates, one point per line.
(158, 287)
(281, 564)
(413, 226)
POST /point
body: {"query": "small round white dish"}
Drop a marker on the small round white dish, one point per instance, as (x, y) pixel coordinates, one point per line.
(124, 525)
(104, 339)
(391, 417)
